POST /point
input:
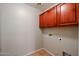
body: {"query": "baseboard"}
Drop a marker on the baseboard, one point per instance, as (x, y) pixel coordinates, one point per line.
(29, 54)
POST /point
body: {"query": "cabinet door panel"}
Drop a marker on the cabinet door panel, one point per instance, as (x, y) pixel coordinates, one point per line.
(58, 14)
(67, 15)
(43, 19)
(51, 17)
(77, 12)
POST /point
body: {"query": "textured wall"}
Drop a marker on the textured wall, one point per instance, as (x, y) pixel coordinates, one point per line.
(69, 42)
(20, 32)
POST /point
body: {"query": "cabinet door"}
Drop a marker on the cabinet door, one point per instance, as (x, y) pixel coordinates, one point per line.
(67, 16)
(43, 18)
(77, 12)
(51, 20)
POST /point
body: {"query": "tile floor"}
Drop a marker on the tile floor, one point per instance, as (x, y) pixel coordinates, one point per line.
(41, 52)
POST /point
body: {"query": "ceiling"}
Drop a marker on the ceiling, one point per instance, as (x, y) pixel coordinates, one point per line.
(42, 6)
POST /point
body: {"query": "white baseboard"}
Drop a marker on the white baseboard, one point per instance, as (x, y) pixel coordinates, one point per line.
(29, 54)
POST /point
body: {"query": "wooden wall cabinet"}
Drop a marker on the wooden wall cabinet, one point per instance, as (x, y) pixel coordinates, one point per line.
(67, 14)
(48, 19)
(64, 14)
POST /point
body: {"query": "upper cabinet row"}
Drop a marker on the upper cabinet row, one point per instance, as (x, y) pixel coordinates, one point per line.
(61, 15)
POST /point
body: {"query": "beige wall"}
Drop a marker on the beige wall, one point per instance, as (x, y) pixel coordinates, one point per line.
(69, 42)
(0, 33)
(20, 32)
(0, 30)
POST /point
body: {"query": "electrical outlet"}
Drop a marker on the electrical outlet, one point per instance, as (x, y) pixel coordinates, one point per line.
(50, 34)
